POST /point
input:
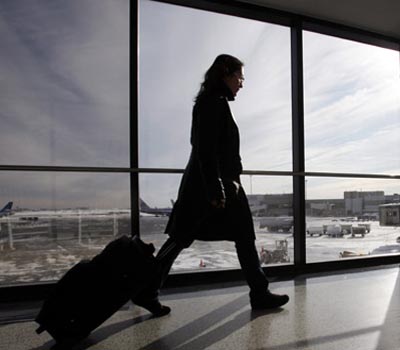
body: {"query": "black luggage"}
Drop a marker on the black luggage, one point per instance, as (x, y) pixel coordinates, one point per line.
(93, 290)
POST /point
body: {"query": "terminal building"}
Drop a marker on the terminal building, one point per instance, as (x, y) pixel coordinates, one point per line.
(360, 204)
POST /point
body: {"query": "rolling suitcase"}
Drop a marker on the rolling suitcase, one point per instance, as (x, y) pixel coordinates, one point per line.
(93, 290)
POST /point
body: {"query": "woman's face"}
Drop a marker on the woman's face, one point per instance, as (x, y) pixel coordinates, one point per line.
(235, 81)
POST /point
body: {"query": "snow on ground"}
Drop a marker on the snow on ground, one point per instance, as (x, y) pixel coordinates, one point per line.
(46, 257)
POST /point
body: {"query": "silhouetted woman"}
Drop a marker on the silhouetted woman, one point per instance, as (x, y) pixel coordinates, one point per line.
(212, 204)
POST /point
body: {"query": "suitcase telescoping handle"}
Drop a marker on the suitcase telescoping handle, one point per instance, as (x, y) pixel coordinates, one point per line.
(146, 248)
(149, 249)
(40, 329)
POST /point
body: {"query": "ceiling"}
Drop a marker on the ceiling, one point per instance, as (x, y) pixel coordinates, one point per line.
(378, 16)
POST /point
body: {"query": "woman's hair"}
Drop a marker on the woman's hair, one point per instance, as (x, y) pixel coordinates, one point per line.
(223, 66)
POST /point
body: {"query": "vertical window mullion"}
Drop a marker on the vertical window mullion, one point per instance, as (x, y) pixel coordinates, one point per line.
(133, 117)
(298, 145)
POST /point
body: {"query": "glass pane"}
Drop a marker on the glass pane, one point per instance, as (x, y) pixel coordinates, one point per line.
(352, 106)
(57, 219)
(157, 194)
(270, 200)
(351, 218)
(64, 72)
(177, 46)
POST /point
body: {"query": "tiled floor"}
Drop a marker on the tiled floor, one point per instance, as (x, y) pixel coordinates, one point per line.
(345, 311)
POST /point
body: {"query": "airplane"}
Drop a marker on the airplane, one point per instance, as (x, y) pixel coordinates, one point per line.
(7, 210)
(144, 208)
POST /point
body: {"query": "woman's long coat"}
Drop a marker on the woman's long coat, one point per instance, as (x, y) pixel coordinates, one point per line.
(213, 172)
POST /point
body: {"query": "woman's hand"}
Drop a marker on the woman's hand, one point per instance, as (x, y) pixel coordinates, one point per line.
(218, 203)
(237, 187)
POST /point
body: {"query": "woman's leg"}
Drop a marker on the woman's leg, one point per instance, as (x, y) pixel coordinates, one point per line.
(260, 296)
(250, 264)
(148, 298)
(166, 257)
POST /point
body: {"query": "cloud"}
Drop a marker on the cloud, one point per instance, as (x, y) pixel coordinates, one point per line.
(352, 107)
(177, 46)
(64, 72)
(351, 95)
(65, 69)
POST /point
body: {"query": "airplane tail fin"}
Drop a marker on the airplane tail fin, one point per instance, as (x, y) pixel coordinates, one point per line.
(143, 205)
(7, 207)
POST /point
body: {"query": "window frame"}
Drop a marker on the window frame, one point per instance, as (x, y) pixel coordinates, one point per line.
(297, 24)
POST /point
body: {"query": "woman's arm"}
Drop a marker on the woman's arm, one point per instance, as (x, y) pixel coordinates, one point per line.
(207, 133)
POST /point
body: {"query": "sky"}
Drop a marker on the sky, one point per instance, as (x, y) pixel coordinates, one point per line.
(64, 92)
(351, 92)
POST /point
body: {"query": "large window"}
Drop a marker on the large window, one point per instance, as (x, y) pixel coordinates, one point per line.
(177, 46)
(64, 76)
(352, 125)
(70, 126)
(57, 220)
(344, 218)
(271, 203)
(64, 72)
(352, 106)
